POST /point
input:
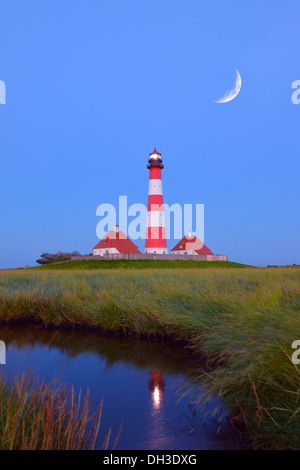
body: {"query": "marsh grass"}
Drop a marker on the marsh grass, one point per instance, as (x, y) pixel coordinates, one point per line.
(242, 321)
(45, 417)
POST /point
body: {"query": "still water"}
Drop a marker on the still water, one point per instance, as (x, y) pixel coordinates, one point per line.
(139, 381)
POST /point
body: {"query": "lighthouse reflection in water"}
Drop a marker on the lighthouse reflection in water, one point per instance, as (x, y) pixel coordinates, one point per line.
(141, 384)
(156, 386)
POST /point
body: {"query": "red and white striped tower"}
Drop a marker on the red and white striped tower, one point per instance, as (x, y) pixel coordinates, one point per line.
(156, 231)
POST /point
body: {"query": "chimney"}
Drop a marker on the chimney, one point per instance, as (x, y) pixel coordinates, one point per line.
(116, 228)
(190, 233)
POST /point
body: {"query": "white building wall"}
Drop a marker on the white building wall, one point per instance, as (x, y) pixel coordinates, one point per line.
(184, 252)
(105, 251)
(156, 219)
(156, 251)
(155, 188)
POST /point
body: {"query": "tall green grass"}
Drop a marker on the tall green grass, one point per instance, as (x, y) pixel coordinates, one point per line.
(243, 321)
(46, 417)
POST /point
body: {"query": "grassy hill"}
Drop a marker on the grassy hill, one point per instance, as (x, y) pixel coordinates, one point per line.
(141, 264)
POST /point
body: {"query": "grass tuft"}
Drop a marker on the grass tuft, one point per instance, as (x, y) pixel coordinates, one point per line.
(46, 417)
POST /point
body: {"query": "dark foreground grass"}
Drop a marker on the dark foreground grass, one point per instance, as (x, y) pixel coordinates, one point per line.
(140, 264)
(46, 417)
(243, 321)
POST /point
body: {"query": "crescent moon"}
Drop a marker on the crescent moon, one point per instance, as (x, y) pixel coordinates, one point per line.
(231, 94)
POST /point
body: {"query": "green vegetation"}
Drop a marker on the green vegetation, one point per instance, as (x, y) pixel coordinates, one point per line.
(60, 257)
(43, 417)
(141, 264)
(242, 321)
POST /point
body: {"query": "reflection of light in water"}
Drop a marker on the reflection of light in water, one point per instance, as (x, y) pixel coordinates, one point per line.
(156, 397)
(156, 387)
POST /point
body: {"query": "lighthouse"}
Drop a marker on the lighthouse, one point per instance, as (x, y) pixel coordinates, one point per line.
(156, 231)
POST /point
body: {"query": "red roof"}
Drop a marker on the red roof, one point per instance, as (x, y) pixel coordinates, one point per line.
(119, 241)
(192, 243)
(155, 152)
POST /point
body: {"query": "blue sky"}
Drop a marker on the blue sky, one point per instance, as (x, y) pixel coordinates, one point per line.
(93, 86)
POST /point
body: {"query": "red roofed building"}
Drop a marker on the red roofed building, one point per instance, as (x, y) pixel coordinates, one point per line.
(190, 245)
(115, 242)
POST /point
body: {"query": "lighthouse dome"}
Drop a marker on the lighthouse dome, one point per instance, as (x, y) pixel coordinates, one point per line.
(155, 154)
(155, 159)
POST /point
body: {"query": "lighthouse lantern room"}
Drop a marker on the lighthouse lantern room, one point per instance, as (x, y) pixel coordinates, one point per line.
(156, 230)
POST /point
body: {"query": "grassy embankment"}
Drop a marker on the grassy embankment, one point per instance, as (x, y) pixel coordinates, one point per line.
(243, 321)
(141, 264)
